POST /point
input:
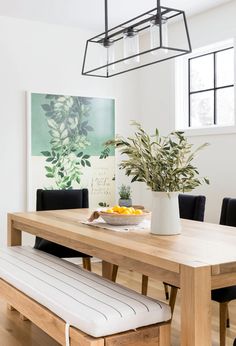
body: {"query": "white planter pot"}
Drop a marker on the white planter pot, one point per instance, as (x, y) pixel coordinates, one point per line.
(125, 202)
(165, 218)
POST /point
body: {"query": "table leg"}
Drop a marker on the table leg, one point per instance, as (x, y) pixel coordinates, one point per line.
(195, 286)
(107, 270)
(14, 238)
(13, 235)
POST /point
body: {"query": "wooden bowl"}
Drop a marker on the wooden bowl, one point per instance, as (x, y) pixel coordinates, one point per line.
(123, 219)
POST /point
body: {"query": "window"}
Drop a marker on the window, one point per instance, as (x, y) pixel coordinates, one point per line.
(205, 90)
(211, 89)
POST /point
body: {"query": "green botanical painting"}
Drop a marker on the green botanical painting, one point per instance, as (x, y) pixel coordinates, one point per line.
(67, 135)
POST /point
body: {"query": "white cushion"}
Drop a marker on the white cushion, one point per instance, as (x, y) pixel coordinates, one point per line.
(85, 300)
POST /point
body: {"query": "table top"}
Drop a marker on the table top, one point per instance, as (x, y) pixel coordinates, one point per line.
(199, 244)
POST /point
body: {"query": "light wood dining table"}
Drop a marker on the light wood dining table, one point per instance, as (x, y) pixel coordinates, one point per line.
(202, 257)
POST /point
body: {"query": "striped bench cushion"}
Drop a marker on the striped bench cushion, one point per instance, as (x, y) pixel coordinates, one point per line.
(83, 299)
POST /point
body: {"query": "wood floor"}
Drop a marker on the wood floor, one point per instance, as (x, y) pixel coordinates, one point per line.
(15, 332)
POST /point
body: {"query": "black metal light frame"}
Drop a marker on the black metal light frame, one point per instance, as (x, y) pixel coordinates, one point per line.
(116, 34)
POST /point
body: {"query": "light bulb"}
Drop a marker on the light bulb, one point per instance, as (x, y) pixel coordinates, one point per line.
(131, 45)
(155, 34)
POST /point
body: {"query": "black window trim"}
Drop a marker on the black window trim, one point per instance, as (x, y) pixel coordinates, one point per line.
(214, 89)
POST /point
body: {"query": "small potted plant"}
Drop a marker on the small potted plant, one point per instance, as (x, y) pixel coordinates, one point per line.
(125, 196)
(165, 165)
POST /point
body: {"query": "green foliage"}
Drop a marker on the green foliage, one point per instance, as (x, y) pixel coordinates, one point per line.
(105, 153)
(67, 119)
(163, 163)
(125, 192)
(103, 204)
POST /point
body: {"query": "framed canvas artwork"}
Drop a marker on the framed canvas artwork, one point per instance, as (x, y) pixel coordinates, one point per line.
(66, 136)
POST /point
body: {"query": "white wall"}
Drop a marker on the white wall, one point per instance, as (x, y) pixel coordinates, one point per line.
(44, 58)
(48, 58)
(157, 93)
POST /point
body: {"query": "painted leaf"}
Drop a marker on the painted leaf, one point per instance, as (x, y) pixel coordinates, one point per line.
(52, 124)
(46, 153)
(64, 134)
(46, 107)
(88, 163)
(48, 169)
(62, 127)
(55, 134)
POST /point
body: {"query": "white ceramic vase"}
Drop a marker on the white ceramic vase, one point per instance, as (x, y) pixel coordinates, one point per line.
(165, 218)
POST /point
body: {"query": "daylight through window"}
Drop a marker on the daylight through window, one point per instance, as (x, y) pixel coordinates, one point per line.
(211, 89)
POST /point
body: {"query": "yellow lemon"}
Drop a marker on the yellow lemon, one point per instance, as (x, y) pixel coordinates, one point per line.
(131, 210)
(116, 208)
(126, 212)
(109, 211)
(138, 212)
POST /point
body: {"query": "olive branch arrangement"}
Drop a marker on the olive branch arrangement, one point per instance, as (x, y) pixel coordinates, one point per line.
(163, 163)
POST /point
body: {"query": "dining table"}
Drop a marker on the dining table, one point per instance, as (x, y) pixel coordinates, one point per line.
(201, 258)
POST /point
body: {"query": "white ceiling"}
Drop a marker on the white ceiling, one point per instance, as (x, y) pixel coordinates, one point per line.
(89, 14)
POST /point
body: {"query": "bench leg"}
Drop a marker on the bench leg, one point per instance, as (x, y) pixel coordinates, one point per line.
(228, 320)
(223, 319)
(114, 272)
(87, 263)
(107, 270)
(166, 289)
(144, 285)
(23, 318)
(173, 295)
(10, 307)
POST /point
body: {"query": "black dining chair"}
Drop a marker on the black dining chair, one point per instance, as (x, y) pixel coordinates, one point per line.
(224, 295)
(61, 199)
(192, 207)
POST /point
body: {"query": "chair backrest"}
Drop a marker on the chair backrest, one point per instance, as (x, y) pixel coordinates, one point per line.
(61, 199)
(192, 207)
(228, 212)
(54, 200)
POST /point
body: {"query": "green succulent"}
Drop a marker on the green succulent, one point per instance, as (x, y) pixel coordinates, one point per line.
(125, 192)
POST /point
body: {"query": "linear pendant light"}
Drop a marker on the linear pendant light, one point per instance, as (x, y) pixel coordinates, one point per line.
(144, 40)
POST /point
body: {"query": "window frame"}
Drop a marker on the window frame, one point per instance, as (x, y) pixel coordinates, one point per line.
(214, 89)
(180, 121)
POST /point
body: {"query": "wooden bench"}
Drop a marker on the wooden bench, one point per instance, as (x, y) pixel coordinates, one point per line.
(49, 291)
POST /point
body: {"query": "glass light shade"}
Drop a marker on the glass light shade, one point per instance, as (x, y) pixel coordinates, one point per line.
(155, 35)
(111, 56)
(131, 46)
(107, 55)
